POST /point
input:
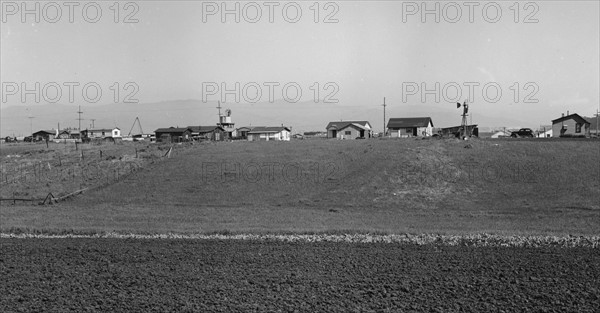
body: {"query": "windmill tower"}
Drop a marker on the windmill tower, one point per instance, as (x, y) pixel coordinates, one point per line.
(464, 128)
(225, 121)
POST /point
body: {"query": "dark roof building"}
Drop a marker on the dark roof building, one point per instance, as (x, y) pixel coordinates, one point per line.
(572, 125)
(266, 129)
(405, 122)
(44, 135)
(207, 132)
(173, 134)
(410, 126)
(455, 131)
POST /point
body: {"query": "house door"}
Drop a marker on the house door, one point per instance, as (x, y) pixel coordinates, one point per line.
(362, 133)
(334, 134)
(414, 131)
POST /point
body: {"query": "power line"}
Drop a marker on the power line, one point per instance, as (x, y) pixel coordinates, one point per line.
(31, 125)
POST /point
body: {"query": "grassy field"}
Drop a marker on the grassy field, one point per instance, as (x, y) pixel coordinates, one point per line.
(388, 186)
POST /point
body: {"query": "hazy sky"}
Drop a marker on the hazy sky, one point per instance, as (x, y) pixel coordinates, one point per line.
(372, 51)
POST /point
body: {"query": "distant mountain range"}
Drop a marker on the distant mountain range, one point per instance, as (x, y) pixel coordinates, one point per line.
(301, 116)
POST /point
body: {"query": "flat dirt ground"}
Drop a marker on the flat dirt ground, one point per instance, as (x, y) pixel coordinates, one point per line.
(515, 189)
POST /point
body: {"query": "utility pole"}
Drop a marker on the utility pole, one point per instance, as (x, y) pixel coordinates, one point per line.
(93, 125)
(31, 126)
(597, 116)
(384, 105)
(79, 118)
(219, 107)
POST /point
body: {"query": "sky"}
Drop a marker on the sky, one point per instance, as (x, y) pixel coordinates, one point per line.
(536, 59)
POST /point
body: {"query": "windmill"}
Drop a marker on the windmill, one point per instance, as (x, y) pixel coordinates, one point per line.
(225, 122)
(464, 128)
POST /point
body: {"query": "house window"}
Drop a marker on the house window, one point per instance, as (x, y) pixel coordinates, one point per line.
(578, 128)
(348, 132)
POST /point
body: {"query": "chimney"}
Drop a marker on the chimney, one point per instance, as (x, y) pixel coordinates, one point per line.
(567, 112)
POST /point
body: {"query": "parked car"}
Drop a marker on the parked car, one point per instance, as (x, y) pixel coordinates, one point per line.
(523, 132)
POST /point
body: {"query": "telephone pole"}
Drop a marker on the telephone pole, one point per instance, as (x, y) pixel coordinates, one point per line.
(31, 126)
(384, 105)
(597, 116)
(93, 125)
(79, 118)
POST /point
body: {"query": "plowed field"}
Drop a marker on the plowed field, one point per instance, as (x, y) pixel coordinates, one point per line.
(135, 275)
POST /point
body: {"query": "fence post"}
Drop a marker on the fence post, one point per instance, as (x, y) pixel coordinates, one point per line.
(101, 154)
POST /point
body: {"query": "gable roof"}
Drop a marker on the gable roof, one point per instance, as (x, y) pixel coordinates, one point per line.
(263, 129)
(101, 129)
(50, 132)
(355, 126)
(343, 124)
(204, 129)
(248, 128)
(172, 130)
(573, 116)
(405, 122)
(69, 131)
(457, 128)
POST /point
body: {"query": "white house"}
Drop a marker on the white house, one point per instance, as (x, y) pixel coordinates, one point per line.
(500, 134)
(102, 133)
(545, 132)
(410, 127)
(262, 133)
(349, 130)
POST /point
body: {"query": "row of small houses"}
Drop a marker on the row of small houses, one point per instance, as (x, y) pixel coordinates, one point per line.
(569, 125)
(76, 134)
(218, 133)
(397, 127)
